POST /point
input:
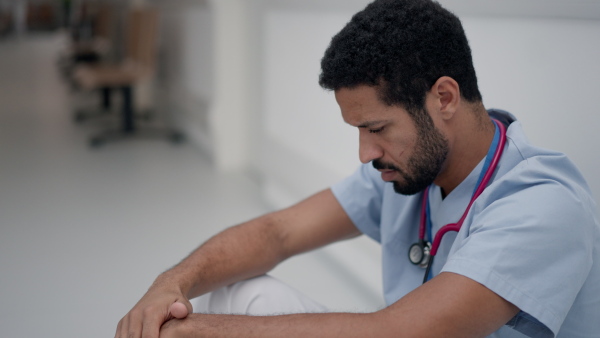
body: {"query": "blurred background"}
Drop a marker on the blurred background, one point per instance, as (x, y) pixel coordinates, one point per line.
(132, 131)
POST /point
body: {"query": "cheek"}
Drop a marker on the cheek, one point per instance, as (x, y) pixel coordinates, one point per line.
(402, 148)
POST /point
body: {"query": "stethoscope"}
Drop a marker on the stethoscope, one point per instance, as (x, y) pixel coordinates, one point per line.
(423, 252)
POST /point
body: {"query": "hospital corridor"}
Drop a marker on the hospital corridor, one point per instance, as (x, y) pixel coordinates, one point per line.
(217, 117)
(84, 231)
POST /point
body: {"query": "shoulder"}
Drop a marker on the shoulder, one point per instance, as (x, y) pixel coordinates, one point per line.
(525, 167)
(537, 187)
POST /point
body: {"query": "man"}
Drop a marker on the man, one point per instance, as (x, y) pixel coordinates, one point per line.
(526, 261)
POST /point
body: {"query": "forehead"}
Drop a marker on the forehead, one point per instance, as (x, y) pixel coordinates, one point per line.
(362, 107)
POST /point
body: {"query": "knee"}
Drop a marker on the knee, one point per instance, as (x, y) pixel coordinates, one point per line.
(263, 295)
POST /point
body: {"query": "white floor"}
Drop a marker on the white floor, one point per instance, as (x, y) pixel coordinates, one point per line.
(84, 232)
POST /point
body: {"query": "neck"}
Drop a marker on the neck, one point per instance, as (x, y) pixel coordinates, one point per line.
(470, 135)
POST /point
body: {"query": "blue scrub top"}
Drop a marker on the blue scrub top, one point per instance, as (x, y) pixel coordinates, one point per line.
(532, 237)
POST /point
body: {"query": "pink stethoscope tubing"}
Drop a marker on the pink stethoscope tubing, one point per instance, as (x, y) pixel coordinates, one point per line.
(482, 185)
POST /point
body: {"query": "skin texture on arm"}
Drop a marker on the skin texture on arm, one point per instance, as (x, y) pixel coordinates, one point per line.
(240, 252)
(449, 305)
(255, 247)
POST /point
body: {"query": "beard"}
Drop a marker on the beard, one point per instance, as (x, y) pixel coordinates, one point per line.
(426, 161)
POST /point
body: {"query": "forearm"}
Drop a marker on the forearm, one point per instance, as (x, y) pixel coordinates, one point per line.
(449, 305)
(289, 326)
(255, 247)
(238, 253)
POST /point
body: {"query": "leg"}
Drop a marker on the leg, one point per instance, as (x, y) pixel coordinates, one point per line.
(128, 123)
(259, 296)
(106, 98)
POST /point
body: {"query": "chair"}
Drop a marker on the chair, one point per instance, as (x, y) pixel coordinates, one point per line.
(137, 69)
(91, 36)
(91, 42)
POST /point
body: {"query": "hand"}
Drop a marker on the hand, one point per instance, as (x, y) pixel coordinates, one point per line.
(148, 315)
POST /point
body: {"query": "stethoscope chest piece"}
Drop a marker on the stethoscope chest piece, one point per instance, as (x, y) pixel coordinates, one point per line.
(419, 253)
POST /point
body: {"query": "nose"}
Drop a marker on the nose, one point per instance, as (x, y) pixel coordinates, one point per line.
(368, 150)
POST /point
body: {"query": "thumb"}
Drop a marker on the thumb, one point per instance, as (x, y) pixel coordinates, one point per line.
(178, 310)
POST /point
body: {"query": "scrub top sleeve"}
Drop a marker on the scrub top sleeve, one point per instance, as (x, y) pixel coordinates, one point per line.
(361, 197)
(529, 243)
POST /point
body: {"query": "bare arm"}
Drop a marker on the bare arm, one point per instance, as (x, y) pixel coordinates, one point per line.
(238, 253)
(255, 247)
(449, 305)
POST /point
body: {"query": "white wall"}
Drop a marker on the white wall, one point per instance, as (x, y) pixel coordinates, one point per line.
(306, 144)
(186, 67)
(546, 72)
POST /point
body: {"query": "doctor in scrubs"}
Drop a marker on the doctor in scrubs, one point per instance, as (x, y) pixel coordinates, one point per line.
(481, 232)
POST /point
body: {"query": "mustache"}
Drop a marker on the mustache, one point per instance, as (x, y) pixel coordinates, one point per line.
(379, 165)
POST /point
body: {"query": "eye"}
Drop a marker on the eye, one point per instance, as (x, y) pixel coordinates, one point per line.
(376, 131)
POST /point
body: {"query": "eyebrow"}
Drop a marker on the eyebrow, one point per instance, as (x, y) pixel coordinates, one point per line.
(370, 124)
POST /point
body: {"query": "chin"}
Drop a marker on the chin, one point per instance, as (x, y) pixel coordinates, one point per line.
(408, 190)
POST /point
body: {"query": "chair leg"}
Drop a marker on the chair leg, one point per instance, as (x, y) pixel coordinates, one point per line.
(106, 98)
(128, 122)
(128, 127)
(105, 107)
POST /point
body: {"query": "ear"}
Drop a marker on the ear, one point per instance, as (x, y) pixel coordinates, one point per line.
(447, 95)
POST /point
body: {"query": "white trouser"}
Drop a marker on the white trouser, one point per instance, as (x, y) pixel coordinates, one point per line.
(259, 296)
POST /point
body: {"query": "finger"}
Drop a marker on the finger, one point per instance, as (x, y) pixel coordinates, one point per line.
(124, 325)
(189, 306)
(132, 327)
(118, 332)
(151, 325)
(178, 310)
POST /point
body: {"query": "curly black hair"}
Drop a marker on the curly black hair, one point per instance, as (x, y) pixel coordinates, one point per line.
(402, 47)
